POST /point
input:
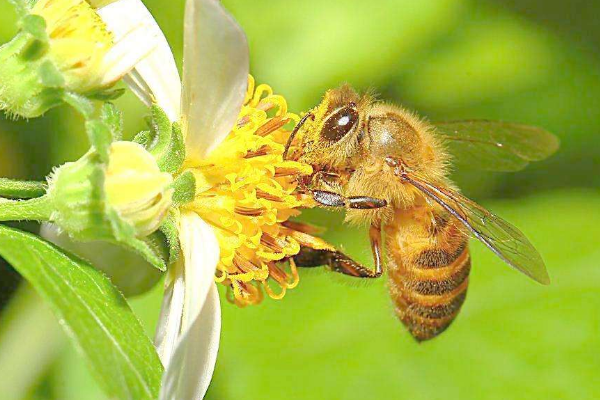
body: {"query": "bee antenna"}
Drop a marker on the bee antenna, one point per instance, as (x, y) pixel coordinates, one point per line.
(295, 131)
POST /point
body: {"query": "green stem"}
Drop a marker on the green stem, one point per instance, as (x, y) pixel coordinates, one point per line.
(38, 209)
(21, 189)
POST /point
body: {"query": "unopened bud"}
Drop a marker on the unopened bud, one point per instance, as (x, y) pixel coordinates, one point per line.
(93, 201)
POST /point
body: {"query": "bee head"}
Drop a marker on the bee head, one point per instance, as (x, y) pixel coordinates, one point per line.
(329, 135)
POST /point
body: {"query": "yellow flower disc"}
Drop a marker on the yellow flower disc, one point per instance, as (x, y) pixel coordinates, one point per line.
(247, 192)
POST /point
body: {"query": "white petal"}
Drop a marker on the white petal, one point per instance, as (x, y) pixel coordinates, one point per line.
(126, 53)
(190, 323)
(171, 313)
(215, 75)
(190, 371)
(155, 78)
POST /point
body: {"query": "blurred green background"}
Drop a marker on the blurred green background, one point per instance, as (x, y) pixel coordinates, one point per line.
(528, 61)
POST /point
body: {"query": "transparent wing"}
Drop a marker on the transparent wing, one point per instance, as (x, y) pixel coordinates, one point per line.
(506, 241)
(495, 145)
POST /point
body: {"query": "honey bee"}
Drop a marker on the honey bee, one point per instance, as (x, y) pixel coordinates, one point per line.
(390, 169)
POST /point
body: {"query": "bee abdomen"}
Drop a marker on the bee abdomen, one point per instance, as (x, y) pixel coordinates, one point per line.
(430, 287)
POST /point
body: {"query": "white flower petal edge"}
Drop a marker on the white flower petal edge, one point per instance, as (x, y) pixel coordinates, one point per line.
(155, 78)
(215, 75)
(126, 53)
(190, 322)
(169, 322)
(196, 359)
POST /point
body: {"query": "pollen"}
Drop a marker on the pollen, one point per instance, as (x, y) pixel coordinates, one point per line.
(247, 192)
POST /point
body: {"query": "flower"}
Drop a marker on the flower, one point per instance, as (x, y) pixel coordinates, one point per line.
(236, 225)
(246, 191)
(66, 46)
(73, 28)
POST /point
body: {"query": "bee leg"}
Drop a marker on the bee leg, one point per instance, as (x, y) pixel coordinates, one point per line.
(375, 237)
(339, 262)
(331, 199)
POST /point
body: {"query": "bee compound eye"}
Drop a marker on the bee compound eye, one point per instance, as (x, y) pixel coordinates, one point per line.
(340, 123)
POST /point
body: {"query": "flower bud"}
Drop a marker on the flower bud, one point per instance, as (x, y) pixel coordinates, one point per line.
(136, 188)
(129, 197)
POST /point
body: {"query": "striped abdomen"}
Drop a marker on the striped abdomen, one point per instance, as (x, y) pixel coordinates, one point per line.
(428, 267)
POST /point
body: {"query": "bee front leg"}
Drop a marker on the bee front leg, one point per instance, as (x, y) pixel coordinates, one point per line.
(331, 199)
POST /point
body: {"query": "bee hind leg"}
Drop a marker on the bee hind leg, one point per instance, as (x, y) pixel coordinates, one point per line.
(339, 262)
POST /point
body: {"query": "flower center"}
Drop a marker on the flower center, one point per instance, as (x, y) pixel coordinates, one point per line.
(247, 192)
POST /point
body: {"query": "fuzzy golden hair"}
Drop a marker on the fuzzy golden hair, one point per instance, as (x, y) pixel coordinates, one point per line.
(383, 130)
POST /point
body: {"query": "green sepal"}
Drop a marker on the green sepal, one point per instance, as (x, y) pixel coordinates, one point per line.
(124, 235)
(144, 138)
(79, 103)
(159, 246)
(112, 117)
(184, 189)
(34, 25)
(173, 162)
(22, 6)
(51, 76)
(161, 126)
(100, 138)
(101, 131)
(171, 233)
(38, 43)
(107, 95)
(24, 93)
(167, 144)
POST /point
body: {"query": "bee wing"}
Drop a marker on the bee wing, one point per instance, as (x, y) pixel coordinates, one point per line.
(506, 241)
(496, 145)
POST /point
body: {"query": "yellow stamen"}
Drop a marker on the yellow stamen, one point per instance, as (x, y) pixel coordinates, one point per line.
(247, 191)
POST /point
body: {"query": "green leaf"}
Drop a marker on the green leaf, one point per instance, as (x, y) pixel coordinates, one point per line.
(93, 312)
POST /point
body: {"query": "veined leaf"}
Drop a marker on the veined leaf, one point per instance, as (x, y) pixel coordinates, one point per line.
(94, 313)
